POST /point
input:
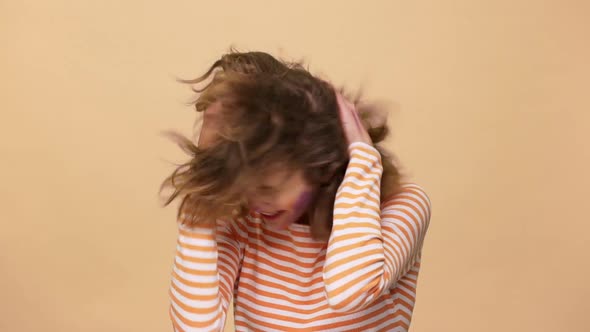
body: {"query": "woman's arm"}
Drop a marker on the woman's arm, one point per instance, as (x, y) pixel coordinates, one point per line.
(206, 266)
(371, 248)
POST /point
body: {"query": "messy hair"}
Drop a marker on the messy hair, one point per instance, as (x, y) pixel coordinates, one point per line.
(273, 112)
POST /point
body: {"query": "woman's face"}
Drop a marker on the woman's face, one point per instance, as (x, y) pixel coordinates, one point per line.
(282, 197)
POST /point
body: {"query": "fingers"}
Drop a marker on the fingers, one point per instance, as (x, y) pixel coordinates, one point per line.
(345, 108)
(343, 102)
(354, 130)
(348, 111)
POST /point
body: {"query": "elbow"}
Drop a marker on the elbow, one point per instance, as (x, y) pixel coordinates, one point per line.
(347, 297)
(334, 303)
(341, 301)
(185, 322)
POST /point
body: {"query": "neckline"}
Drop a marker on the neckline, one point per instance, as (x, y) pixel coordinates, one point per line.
(300, 226)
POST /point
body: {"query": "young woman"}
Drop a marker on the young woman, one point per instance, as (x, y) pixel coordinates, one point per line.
(290, 209)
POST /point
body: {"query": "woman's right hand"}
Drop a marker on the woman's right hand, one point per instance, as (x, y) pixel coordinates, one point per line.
(210, 127)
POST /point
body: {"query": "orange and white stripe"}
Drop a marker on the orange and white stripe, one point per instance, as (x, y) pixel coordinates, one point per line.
(363, 279)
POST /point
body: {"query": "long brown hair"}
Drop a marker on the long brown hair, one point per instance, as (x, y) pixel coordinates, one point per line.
(273, 112)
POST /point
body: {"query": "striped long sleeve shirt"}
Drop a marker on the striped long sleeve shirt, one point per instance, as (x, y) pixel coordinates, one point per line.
(363, 279)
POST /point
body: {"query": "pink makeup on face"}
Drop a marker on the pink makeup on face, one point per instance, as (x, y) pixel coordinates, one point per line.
(302, 202)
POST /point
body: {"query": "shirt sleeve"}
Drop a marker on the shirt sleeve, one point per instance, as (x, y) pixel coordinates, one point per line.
(372, 245)
(206, 265)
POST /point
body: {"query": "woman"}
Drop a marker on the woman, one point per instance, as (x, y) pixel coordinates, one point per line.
(290, 208)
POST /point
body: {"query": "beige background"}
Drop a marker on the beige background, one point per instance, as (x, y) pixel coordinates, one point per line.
(491, 115)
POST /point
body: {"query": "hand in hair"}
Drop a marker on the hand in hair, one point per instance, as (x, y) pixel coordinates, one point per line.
(354, 131)
(210, 126)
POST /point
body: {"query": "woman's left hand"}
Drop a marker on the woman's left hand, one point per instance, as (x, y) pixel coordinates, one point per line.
(354, 131)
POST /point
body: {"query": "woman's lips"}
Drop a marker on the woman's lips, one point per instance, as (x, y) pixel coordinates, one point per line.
(273, 216)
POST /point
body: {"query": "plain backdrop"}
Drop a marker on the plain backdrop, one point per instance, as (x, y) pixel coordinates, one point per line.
(489, 113)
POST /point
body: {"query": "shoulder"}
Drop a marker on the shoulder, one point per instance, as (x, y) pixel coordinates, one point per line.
(409, 192)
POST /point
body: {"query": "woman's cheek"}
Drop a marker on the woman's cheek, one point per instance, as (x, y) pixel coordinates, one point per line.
(302, 202)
